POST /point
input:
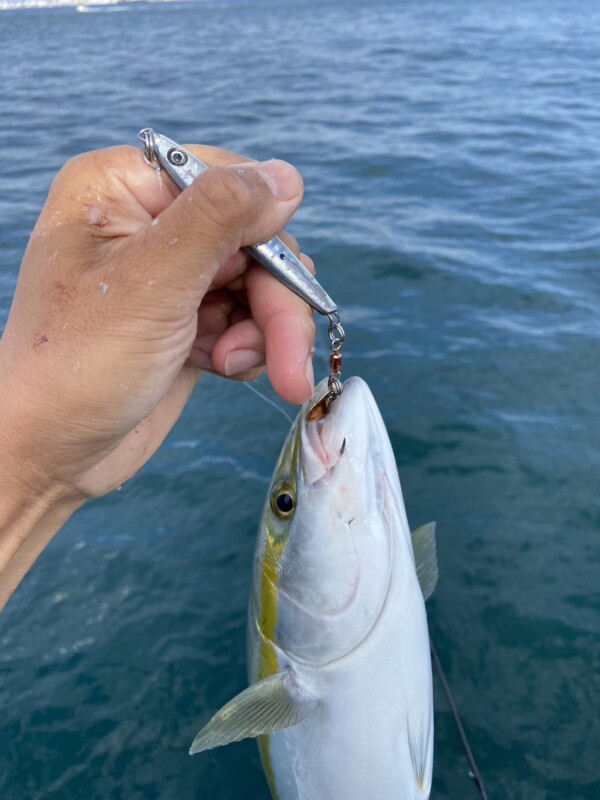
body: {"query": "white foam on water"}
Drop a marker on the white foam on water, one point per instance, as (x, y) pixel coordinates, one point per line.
(81, 5)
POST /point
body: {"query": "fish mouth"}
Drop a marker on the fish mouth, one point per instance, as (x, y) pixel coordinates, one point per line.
(320, 456)
(344, 430)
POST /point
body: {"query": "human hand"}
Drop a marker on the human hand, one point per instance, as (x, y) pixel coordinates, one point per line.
(127, 289)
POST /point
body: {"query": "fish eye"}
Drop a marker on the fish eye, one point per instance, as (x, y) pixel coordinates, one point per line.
(283, 501)
(177, 157)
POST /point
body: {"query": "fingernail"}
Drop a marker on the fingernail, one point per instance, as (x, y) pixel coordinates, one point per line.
(283, 180)
(241, 360)
(310, 373)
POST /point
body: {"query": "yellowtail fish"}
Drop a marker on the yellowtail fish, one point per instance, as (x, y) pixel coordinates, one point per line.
(338, 647)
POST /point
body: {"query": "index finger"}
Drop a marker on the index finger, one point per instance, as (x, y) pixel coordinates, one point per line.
(115, 191)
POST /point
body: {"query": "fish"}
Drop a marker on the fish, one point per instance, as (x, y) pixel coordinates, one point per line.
(339, 663)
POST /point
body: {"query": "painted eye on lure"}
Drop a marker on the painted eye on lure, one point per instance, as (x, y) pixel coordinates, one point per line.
(283, 501)
(177, 157)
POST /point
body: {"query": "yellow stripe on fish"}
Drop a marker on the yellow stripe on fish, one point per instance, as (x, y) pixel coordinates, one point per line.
(271, 559)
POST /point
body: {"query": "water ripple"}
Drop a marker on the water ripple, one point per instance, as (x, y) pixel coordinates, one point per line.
(450, 155)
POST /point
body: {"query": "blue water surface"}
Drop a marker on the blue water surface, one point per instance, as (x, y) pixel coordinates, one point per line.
(451, 158)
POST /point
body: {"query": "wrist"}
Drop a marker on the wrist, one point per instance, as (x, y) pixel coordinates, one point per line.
(33, 506)
(27, 524)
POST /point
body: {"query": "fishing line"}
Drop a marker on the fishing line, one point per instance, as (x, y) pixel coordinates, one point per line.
(473, 770)
(269, 401)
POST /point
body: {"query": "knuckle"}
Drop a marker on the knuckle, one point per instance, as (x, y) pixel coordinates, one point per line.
(93, 165)
(73, 169)
(226, 197)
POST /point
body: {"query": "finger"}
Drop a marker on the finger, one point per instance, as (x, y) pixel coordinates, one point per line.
(289, 331)
(215, 312)
(102, 187)
(213, 320)
(148, 190)
(248, 375)
(240, 349)
(224, 209)
(106, 193)
(218, 319)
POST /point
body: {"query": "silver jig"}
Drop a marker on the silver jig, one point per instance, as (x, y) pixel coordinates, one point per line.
(160, 152)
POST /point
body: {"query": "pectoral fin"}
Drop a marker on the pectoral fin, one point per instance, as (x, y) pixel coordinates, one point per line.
(269, 705)
(423, 542)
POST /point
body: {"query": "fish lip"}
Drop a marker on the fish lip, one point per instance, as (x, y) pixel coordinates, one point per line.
(324, 441)
(317, 459)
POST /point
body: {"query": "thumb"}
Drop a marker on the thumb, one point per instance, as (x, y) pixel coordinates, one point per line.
(226, 208)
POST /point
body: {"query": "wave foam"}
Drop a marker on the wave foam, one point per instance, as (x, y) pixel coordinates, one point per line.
(78, 5)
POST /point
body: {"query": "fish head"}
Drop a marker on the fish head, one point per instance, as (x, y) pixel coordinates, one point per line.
(333, 514)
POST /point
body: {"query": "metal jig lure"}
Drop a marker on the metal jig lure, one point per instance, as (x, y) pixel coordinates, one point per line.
(162, 153)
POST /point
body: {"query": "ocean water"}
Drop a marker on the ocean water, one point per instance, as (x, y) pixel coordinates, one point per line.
(451, 157)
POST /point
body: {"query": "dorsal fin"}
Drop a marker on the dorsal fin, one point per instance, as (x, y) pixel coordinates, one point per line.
(423, 542)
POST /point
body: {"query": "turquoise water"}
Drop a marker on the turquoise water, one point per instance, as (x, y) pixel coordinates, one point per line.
(451, 158)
